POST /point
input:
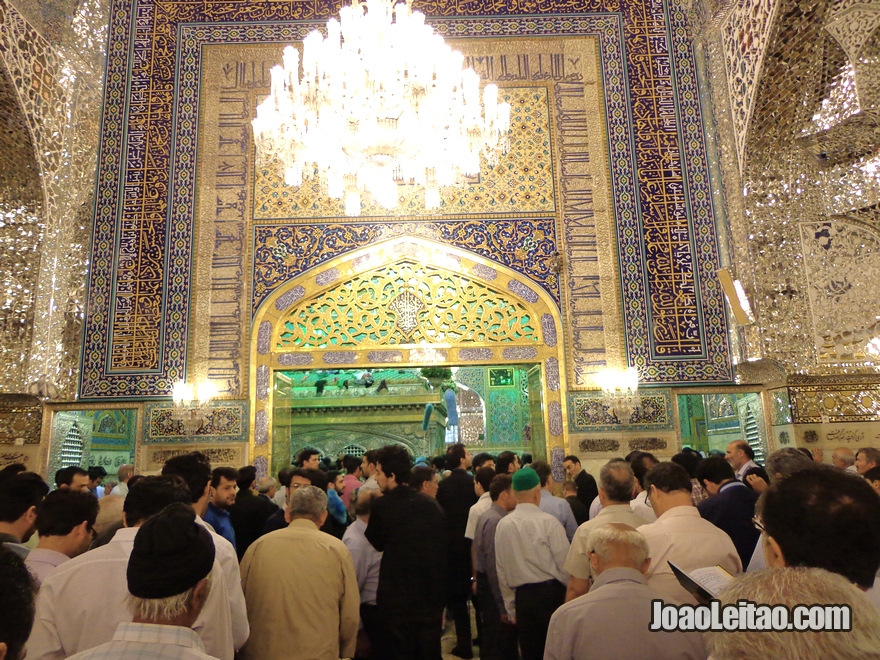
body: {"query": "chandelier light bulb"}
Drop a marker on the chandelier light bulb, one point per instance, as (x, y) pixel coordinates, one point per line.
(620, 392)
(381, 100)
(614, 381)
(182, 392)
(193, 404)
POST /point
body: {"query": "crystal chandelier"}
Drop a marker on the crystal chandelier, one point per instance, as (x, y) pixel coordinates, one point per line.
(379, 102)
(620, 391)
(192, 404)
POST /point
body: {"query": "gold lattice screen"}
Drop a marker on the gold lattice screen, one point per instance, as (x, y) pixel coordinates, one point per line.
(407, 303)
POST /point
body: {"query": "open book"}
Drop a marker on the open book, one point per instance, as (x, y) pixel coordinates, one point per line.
(704, 583)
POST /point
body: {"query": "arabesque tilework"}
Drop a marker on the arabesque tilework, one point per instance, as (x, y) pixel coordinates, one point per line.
(139, 293)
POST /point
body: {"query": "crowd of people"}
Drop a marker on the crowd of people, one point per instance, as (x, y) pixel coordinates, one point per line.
(368, 557)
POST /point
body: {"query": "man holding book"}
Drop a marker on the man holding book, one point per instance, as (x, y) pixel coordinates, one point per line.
(680, 535)
(613, 620)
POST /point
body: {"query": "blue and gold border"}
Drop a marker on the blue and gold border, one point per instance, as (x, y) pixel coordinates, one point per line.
(139, 288)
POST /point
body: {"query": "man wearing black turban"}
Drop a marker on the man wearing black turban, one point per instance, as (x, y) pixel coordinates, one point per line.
(168, 581)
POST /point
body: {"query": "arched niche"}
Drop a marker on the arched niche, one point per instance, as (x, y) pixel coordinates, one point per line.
(406, 302)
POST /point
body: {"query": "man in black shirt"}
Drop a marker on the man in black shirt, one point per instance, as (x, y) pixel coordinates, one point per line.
(410, 529)
(250, 511)
(570, 493)
(456, 495)
(586, 484)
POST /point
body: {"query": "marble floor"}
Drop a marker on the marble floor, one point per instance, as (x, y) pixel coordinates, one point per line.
(448, 638)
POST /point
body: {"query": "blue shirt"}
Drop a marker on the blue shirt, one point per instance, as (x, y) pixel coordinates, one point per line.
(221, 521)
(559, 509)
(366, 560)
(336, 507)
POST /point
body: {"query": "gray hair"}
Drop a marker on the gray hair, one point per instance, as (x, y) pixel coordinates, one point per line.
(870, 454)
(845, 456)
(616, 478)
(790, 587)
(785, 462)
(363, 501)
(618, 544)
(109, 512)
(265, 484)
(307, 502)
(162, 609)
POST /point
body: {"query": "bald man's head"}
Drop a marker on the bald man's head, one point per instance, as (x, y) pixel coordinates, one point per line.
(616, 545)
(842, 458)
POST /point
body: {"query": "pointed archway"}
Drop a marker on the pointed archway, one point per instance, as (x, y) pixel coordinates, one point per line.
(405, 302)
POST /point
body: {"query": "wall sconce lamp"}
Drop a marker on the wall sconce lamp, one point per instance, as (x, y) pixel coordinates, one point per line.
(620, 392)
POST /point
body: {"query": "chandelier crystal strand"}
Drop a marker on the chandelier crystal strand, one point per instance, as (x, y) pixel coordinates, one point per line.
(620, 391)
(193, 405)
(381, 100)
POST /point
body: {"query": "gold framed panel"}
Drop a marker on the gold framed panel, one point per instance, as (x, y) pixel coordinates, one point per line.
(51, 409)
(267, 355)
(566, 71)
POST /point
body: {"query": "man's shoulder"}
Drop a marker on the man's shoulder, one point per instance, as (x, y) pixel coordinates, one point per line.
(109, 558)
(695, 526)
(600, 596)
(459, 475)
(711, 504)
(535, 517)
(298, 534)
(583, 475)
(654, 529)
(459, 481)
(555, 499)
(490, 518)
(212, 515)
(222, 545)
(354, 535)
(739, 494)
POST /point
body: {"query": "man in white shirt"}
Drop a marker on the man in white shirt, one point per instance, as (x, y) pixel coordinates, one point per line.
(739, 455)
(614, 619)
(83, 601)
(369, 469)
(280, 497)
(366, 566)
(65, 522)
(555, 506)
(124, 473)
(482, 479)
(640, 464)
(530, 551)
(680, 534)
(167, 573)
(195, 469)
(842, 458)
(616, 483)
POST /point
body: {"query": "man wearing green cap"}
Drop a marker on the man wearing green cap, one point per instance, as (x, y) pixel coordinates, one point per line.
(530, 549)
